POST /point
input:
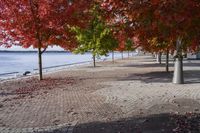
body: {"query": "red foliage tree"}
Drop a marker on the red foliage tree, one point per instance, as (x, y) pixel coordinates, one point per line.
(166, 20)
(40, 23)
(172, 22)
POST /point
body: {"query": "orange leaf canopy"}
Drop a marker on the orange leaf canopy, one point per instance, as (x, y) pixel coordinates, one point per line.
(166, 20)
(30, 21)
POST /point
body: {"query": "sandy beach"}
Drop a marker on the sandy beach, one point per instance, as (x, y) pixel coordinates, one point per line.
(133, 95)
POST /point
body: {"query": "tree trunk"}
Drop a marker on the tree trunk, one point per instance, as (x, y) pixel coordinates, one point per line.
(158, 57)
(167, 61)
(113, 57)
(128, 54)
(94, 61)
(178, 71)
(154, 55)
(178, 67)
(122, 55)
(40, 63)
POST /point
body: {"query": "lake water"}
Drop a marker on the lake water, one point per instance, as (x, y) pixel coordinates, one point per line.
(20, 62)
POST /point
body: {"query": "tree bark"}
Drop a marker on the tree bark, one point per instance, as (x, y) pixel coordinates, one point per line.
(94, 61)
(178, 71)
(158, 57)
(128, 54)
(36, 23)
(178, 67)
(154, 55)
(113, 57)
(167, 61)
(40, 63)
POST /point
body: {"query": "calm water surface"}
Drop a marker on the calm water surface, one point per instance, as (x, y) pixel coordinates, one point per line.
(28, 61)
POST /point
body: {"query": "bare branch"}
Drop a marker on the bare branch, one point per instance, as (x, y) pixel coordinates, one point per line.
(44, 50)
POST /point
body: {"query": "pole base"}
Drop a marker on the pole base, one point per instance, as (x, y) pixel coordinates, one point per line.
(178, 71)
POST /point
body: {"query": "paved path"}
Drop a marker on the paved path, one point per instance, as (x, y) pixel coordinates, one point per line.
(134, 96)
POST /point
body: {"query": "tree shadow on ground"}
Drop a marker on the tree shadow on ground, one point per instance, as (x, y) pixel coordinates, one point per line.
(148, 65)
(97, 66)
(143, 60)
(190, 76)
(154, 64)
(151, 77)
(160, 123)
(191, 64)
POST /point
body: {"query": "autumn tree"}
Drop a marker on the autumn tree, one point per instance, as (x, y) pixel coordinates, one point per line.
(96, 38)
(174, 22)
(129, 45)
(120, 35)
(40, 23)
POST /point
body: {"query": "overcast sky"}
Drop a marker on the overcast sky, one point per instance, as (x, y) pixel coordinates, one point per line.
(17, 48)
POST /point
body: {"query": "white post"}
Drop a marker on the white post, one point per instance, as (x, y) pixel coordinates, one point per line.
(178, 66)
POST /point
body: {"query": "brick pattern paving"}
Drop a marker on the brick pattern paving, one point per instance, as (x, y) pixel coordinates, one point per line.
(134, 96)
(60, 128)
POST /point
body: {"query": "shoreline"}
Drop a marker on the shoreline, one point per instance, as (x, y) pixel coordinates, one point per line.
(14, 75)
(59, 68)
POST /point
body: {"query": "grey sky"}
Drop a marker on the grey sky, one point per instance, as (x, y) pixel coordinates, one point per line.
(17, 48)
